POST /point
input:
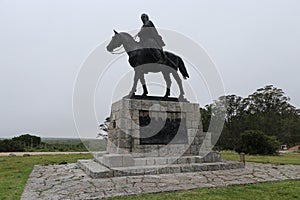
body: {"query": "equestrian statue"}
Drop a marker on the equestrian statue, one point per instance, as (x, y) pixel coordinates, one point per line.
(147, 55)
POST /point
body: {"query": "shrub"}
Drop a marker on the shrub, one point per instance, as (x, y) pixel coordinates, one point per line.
(256, 142)
(10, 146)
(29, 141)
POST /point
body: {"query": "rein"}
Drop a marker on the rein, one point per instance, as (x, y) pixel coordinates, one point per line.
(115, 51)
(119, 51)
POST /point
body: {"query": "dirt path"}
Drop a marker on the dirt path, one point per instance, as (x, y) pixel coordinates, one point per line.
(39, 153)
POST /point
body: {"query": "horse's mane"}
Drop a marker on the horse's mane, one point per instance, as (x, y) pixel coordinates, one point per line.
(127, 35)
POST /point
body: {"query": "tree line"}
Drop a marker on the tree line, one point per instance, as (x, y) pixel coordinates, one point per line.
(265, 118)
(257, 124)
(32, 143)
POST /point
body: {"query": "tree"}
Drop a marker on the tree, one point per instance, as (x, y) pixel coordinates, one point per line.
(256, 142)
(205, 116)
(28, 141)
(267, 110)
(104, 128)
(10, 146)
(267, 99)
(234, 111)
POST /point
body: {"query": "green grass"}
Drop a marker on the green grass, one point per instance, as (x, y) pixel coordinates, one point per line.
(278, 160)
(14, 171)
(284, 190)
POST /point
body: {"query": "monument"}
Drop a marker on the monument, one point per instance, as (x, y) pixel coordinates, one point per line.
(151, 134)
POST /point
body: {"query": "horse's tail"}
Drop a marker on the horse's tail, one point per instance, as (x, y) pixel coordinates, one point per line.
(182, 68)
(177, 63)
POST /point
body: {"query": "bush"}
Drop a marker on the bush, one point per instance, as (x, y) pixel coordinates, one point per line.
(29, 141)
(256, 142)
(10, 146)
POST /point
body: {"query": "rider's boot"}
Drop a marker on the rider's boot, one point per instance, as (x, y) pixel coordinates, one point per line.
(160, 56)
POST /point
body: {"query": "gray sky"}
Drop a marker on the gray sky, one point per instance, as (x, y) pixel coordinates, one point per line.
(44, 43)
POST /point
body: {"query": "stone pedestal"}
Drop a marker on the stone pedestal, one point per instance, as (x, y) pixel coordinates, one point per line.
(155, 136)
(155, 128)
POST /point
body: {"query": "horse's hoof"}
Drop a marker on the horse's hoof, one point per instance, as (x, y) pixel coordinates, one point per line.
(182, 98)
(130, 95)
(167, 95)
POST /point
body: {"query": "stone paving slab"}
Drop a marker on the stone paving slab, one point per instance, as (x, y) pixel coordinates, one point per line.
(70, 182)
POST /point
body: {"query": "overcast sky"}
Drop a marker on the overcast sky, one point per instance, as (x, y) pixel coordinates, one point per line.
(43, 44)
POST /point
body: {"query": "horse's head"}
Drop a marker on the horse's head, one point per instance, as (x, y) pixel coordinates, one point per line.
(115, 42)
(124, 39)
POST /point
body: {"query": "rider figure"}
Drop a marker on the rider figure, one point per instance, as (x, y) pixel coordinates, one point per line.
(150, 39)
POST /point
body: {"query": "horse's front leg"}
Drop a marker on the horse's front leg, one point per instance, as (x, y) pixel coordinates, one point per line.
(179, 83)
(135, 81)
(143, 82)
(168, 82)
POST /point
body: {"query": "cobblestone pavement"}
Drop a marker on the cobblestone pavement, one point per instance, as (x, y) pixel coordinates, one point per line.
(70, 182)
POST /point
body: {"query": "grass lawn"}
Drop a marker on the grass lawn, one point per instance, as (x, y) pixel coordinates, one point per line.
(284, 190)
(281, 159)
(14, 171)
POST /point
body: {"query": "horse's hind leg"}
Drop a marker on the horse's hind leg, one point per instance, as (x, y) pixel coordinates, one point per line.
(168, 82)
(179, 83)
(143, 82)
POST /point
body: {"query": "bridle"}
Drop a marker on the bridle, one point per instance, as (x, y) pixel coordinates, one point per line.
(119, 49)
(115, 51)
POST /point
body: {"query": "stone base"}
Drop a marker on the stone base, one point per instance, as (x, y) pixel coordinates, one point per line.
(155, 127)
(96, 170)
(155, 136)
(117, 160)
(115, 165)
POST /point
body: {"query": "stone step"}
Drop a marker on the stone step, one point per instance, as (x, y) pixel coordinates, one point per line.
(96, 170)
(99, 154)
(161, 160)
(168, 160)
(175, 168)
(212, 157)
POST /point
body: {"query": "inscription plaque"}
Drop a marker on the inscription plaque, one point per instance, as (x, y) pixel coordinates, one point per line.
(158, 127)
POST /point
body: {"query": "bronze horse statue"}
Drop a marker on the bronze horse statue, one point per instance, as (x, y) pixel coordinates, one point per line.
(143, 62)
